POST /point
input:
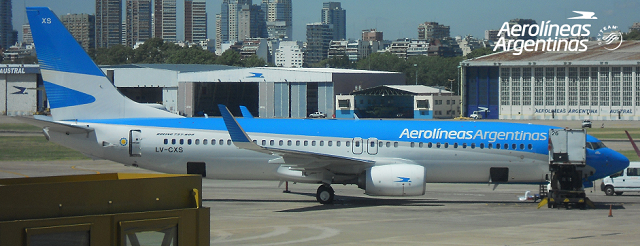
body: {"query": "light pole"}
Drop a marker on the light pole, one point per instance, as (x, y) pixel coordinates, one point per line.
(416, 66)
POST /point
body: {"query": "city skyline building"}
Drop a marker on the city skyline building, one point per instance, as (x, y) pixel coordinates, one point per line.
(372, 35)
(137, 22)
(251, 22)
(319, 36)
(82, 28)
(227, 21)
(195, 21)
(27, 38)
(333, 14)
(8, 36)
(433, 30)
(165, 20)
(279, 19)
(289, 54)
(108, 23)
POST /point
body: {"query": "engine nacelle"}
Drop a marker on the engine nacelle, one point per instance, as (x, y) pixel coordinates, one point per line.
(394, 180)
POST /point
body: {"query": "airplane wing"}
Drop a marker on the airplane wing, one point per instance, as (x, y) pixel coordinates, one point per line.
(294, 158)
(47, 122)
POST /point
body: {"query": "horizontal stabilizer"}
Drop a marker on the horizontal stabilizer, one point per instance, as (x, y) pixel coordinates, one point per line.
(47, 122)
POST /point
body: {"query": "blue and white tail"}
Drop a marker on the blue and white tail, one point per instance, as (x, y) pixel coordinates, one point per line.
(76, 87)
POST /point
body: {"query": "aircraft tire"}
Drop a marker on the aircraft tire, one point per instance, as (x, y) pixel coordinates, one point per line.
(325, 194)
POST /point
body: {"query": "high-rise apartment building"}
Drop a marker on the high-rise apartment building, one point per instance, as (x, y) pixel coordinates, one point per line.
(8, 36)
(251, 22)
(333, 14)
(165, 20)
(82, 28)
(227, 21)
(371, 35)
(279, 18)
(289, 54)
(108, 19)
(319, 36)
(432, 30)
(27, 38)
(138, 22)
(195, 21)
(491, 35)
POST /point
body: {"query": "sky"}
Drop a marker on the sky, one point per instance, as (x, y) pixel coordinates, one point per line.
(400, 19)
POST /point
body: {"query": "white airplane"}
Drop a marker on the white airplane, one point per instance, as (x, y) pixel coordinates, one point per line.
(383, 157)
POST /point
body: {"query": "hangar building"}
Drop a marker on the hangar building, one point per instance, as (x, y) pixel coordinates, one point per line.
(596, 84)
(268, 92)
(399, 101)
(18, 94)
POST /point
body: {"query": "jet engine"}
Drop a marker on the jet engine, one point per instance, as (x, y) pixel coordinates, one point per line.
(393, 180)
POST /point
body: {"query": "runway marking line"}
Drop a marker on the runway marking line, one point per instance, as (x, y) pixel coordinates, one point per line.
(81, 169)
(19, 174)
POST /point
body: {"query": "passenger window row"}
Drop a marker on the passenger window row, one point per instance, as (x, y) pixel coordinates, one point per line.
(197, 141)
(348, 144)
(473, 145)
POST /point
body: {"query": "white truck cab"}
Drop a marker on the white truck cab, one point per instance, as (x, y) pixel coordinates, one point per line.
(623, 181)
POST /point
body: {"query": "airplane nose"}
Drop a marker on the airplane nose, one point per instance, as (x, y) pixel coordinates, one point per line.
(617, 161)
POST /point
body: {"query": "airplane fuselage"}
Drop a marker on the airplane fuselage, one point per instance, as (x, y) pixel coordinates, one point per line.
(450, 151)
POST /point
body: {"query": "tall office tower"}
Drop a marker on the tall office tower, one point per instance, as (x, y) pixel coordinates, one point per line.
(165, 20)
(251, 22)
(319, 36)
(227, 22)
(278, 16)
(138, 22)
(27, 38)
(82, 28)
(195, 21)
(432, 30)
(108, 23)
(8, 36)
(334, 15)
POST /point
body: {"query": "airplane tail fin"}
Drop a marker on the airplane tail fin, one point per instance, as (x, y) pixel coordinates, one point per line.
(75, 86)
(633, 143)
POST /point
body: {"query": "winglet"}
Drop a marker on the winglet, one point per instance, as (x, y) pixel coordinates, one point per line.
(633, 143)
(245, 112)
(238, 136)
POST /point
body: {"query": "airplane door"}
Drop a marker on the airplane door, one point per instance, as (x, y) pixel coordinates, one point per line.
(135, 150)
(372, 146)
(357, 145)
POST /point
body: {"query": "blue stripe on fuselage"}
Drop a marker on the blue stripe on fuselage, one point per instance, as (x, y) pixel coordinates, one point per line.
(389, 130)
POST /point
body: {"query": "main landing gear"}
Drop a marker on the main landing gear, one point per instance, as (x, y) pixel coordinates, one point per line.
(325, 193)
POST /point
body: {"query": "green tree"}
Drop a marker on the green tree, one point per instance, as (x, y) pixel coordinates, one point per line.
(154, 50)
(336, 62)
(479, 52)
(253, 61)
(230, 58)
(383, 62)
(632, 35)
(117, 54)
(434, 70)
(192, 55)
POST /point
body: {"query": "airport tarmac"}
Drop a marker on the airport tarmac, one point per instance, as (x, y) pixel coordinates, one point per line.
(259, 213)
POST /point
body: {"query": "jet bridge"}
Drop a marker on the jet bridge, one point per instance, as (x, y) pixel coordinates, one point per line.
(567, 159)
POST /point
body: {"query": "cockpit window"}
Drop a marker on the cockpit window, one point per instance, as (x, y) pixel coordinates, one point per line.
(595, 145)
